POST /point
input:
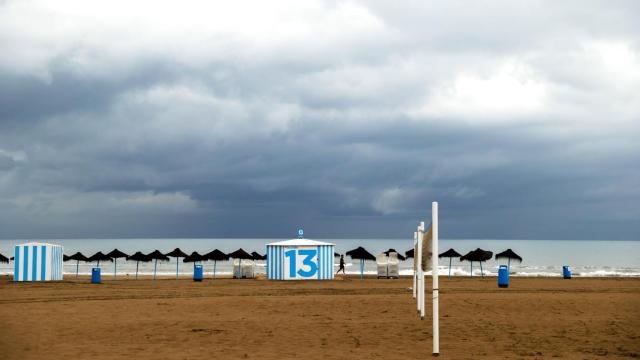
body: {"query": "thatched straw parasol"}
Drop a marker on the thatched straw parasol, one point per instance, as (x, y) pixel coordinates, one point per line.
(4, 259)
(215, 256)
(410, 253)
(477, 255)
(99, 256)
(155, 256)
(509, 255)
(78, 257)
(177, 253)
(137, 257)
(449, 254)
(257, 256)
(194, 258)
(400, 257)
(115, 254)
(361, 254)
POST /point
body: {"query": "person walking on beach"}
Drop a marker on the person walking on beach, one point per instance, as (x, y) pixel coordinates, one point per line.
(341, 265)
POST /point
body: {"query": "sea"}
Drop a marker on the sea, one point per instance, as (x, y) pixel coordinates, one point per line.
(542, 258)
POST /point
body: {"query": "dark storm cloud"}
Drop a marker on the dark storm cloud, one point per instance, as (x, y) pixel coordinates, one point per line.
(349, 123)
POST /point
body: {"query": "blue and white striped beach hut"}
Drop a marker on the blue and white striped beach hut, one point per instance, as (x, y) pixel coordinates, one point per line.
(37, 262)
(300, 259)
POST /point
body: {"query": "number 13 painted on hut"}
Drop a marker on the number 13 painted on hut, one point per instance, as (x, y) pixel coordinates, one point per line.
(302, 263)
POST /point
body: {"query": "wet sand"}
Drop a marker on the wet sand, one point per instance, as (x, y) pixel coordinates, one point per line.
(341, 319)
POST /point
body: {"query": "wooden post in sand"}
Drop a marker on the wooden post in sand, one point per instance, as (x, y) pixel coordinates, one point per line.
(434, 272)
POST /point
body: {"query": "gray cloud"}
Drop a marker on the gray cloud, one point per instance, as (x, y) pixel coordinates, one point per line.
(347, 119)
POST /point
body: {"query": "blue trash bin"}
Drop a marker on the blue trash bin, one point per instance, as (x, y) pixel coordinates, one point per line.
(95, 276)
(197, 273)
(503, 276)
(566, 273)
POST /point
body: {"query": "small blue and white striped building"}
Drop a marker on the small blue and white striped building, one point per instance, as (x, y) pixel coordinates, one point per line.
(300, 259)
(37, 262)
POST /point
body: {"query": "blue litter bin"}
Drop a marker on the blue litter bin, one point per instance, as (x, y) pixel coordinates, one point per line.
(197, 273)
(566, 273)
(95, 276)
(503, 276)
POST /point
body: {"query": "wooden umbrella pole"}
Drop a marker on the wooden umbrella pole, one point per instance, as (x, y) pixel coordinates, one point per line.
(481, 272)
(472, 269)
(214, 268)
(177, 263)
(155, 266)
(450, 266)
(115, 267)
(77, 267)
(137, 263)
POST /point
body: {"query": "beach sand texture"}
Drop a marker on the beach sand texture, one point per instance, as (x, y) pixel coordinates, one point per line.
(341, 319)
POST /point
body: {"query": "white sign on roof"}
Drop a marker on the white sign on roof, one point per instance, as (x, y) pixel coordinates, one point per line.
(299, 242)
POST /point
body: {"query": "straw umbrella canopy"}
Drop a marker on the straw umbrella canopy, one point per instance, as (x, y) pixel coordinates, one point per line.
(410, 253)
(78, 257)
(509, 255)
(449, 254)
(335, 254)
(4, 259)
(477, 255)
(361, 254)
(65, 258)
(99, 256)
(115, 254)
(177, 253)
(137, 257)
(155, 256)
(257, 256)
(400, 257)
(194, 258)
(215, 256)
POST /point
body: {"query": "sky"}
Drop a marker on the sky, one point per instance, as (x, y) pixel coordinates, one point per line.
(347, 118)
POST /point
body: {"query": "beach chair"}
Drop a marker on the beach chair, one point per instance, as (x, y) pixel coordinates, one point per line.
(246, 271)
(382, 262)
(392, 265)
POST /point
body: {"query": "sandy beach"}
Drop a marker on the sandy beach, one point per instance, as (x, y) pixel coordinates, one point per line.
(344, 318)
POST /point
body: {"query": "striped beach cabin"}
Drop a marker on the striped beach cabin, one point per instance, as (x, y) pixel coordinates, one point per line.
(300, 259)
(37, 262)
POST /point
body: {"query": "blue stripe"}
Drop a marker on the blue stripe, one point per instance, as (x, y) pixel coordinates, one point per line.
(16, 264)
(43, 263)
(25, 265)
(34, 264)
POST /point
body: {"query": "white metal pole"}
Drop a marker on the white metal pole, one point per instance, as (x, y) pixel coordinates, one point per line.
(434, 272)
(419, 270)
(415, 271)
(421, 279)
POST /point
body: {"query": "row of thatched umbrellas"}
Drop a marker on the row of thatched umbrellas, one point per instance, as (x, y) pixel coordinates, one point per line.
(478, 255)
(155, 256)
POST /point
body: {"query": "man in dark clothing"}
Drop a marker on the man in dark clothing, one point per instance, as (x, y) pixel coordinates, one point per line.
(341, 265)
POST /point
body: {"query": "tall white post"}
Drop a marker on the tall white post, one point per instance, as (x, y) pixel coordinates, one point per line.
(415, 271)
(418, 258)
(421, 278)
(434, 272)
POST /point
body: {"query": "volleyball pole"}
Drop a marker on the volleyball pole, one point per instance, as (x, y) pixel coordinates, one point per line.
(434, 272)
(415, 268)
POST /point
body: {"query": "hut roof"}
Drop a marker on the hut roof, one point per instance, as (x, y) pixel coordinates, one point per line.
(299, 242)
(449, 254)
(360, 253)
